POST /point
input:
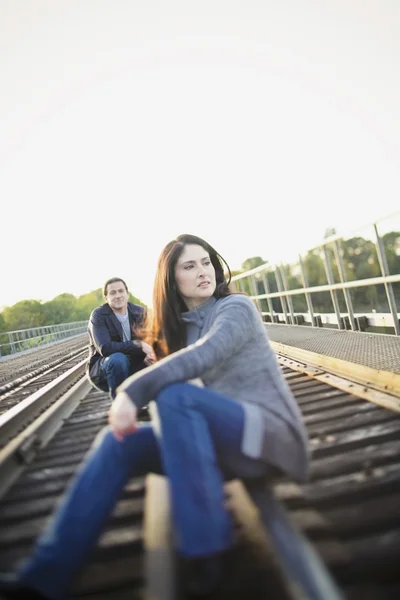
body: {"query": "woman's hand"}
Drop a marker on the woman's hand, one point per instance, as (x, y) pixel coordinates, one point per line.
(149, 352)
(122, 416)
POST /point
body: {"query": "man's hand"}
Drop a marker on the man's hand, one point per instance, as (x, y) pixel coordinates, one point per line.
(122, 416)
(150, 356)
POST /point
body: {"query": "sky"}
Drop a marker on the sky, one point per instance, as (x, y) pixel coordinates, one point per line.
(256, 125)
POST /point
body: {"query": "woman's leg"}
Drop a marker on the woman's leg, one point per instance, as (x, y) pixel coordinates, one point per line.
(80, 518)
(201, 435)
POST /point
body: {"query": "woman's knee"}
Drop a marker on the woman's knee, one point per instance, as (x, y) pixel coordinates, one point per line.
(174, 395)
(101, 437)
(106, 444)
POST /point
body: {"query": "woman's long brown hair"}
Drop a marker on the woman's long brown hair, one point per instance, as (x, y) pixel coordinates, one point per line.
(165, 329)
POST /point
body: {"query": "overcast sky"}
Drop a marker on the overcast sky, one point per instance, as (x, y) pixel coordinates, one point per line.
(256, 125)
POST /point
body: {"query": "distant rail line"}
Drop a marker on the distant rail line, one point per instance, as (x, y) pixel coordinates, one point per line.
(23, 375)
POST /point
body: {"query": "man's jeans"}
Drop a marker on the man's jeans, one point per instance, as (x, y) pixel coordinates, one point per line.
(116, 368)
(200, 444)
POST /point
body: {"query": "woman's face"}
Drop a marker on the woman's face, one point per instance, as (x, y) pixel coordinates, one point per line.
(194, 275)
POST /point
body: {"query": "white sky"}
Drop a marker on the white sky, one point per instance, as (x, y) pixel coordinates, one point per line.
(254, 124)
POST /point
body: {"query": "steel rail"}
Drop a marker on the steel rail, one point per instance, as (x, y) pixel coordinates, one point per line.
(22, 449)
(25, 411)
(9, 388)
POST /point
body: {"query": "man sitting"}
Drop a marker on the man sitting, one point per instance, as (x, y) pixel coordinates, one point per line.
(115, 352)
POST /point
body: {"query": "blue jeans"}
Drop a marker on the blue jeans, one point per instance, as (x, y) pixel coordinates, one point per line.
(200, 445)
(116, 368)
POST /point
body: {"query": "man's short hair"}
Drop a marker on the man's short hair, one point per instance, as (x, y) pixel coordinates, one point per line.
(113, 280)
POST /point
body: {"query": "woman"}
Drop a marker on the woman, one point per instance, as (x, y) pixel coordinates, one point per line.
(243, 423)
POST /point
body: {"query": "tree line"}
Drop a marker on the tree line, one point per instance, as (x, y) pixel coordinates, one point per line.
(65, 308)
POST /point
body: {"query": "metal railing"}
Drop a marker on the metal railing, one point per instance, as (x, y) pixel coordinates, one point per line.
(283, 293)
(12, 342)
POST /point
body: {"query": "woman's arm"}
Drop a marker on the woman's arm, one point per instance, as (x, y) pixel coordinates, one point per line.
(234, 324)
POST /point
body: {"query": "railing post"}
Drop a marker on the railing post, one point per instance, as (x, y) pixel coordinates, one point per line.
(241, 285)
(286, 288)
(343, 279)
(253, 287)
(329, 276)
(307, 295)
(388, 286)
(11, 343)
(282, 298)
(264, 277)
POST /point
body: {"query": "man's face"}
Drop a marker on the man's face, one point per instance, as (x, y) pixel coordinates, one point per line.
(117, 297)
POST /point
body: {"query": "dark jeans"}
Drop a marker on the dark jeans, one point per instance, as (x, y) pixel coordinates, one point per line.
(200, 444)
(116, 369)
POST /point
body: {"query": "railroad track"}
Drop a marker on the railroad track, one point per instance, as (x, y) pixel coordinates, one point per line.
(18, 365)
(25, 380)
(349, 510)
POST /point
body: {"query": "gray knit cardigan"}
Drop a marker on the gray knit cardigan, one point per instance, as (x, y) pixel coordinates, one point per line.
(232, 356)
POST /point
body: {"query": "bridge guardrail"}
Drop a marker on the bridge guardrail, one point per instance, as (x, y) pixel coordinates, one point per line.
(12, 342)
(325, 288)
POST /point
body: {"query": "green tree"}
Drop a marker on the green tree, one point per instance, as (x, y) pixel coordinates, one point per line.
(315, 273)
(88, 302)
(24, 315)
(65, 308)
(62, 309)
(247, 265)
(252, 263)
(2, 323)
(136, 300)
(360, 258)
(361, 262)
(391, 243)
(314, 268)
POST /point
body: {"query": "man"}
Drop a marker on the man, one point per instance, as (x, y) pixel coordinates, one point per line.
(115, 352)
